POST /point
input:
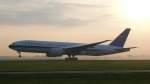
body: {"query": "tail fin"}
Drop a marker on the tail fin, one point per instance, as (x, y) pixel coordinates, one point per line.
(121, 39)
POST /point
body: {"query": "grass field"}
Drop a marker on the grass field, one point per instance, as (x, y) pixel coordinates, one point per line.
(132, 78)
(73, 65)
(101, 78)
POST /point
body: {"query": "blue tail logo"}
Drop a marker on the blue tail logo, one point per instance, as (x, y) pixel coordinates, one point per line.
(121, 39)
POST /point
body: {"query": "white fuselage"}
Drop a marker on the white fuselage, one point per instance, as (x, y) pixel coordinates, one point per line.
(46, 46)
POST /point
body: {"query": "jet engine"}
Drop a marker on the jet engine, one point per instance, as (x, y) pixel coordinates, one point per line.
(55, 52)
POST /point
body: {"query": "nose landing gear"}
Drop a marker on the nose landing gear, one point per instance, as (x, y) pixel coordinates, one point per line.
(19, 54)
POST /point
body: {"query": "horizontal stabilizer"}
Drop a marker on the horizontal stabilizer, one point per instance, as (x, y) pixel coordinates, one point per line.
(125, 49)
(130, 48)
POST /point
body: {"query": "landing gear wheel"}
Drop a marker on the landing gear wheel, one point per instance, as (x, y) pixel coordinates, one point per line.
(72, 59)
(19, 54)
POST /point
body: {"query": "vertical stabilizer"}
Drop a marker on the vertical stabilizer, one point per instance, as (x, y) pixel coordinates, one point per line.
(121, 39)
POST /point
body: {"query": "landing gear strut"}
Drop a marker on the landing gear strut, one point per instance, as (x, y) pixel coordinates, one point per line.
(19, 54)
(71, 58)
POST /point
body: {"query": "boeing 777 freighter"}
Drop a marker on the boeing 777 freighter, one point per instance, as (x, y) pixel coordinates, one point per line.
(56, 49)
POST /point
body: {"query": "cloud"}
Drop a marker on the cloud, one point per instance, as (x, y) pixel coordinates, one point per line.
(18, 2)
(47, 12)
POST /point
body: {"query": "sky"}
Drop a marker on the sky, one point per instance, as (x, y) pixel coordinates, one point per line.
(74, 21)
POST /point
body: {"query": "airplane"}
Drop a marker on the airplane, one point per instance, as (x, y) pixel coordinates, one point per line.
(58, 49)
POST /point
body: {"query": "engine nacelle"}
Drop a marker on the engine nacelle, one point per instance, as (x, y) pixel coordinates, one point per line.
(55, 52)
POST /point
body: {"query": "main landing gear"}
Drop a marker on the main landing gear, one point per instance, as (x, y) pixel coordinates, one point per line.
(71, 58)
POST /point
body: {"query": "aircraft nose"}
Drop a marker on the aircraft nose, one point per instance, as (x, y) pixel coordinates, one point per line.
(10, 46)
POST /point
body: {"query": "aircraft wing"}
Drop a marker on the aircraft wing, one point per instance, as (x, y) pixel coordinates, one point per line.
(79, 48)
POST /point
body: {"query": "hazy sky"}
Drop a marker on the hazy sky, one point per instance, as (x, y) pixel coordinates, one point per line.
(74, 21)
